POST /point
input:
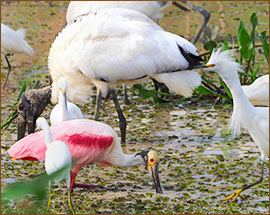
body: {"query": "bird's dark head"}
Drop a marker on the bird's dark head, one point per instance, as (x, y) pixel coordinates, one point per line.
(151, 161)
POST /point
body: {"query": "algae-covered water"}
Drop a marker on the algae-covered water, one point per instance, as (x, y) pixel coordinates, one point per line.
(200, 161)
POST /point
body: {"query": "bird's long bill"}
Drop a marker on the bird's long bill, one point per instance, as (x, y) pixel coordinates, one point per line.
(199, 66)
(155, 176)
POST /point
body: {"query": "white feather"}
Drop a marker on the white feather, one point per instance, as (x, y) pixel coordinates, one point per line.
(93, 50)
(13, 41)
(152, 9)
(245, 115)
(258, 92)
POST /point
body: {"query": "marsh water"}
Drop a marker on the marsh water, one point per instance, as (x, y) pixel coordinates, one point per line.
(200, 161)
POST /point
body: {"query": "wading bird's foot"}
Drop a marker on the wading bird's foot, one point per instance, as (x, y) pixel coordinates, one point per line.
(89, 186)
(234, 195)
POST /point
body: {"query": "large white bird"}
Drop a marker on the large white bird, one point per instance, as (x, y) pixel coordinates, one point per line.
(245, 115)
(152, 9)
(13, 42)
(64, 110)
(258, 92)
(114, 46)
(57, 157)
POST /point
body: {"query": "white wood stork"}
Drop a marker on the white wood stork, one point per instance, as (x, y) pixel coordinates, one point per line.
(114, 46)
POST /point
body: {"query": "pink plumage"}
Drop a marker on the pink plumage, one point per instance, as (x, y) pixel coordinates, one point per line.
(88, 141)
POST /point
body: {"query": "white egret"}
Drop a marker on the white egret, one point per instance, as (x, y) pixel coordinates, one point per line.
(245, 115)
(92, 50)
(64, 110)
(57, 157)
(258, 92)
(13, 42)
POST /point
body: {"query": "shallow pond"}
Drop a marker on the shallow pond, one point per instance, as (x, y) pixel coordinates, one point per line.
(201, 163)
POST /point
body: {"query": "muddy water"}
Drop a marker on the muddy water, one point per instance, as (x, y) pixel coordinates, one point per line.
(200, 162)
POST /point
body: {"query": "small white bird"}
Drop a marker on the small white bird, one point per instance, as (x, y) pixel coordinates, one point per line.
(13, 42)
(245, 115)
(64, 110)
(258, 92)
(57, 157)
(92, 50)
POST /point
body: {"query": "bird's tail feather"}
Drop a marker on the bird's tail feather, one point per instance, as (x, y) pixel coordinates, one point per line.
(182, 82)
(24, 45)
(21, 33)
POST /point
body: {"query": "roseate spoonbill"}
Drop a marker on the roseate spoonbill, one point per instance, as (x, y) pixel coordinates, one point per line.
(258, 92)
(57, 157)
(245, 115)
(13, 42)
(64, 110)
(92, 50)
(89, 142)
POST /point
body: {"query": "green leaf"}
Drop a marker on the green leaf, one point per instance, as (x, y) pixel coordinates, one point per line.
(257, 69)
(225, 88)
(245, 42)
(205, 91)
(266, 50)
(254, 21)
(23, 88)
(210, 45)
(254, 24)
(37, 187)
(225, 45)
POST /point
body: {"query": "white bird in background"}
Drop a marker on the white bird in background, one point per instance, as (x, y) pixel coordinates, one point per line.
(13, 42)
(245, 115)
(93, 50)
(64, 110)
(57, 157)
(152, 9)
(258, 92)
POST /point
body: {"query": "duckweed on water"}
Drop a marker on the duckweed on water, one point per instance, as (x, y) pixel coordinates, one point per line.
(200, 162)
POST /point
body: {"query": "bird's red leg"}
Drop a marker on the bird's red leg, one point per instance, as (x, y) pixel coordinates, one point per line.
(88, 186)
(72, 179)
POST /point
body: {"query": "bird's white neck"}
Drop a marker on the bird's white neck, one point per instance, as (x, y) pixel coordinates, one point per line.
(48, 135)
(120, 159)
(241, 105)
(62, 101)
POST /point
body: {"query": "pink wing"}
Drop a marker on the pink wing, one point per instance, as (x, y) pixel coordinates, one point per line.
(87, 141)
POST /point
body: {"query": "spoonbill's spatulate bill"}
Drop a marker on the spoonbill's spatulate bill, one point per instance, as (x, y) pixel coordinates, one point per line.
(245, 115)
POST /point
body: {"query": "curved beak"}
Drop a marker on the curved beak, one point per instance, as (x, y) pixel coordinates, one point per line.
(155, 176)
